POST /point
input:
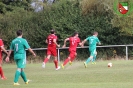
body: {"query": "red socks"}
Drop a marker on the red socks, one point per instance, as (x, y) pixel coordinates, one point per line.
(65, 62)
(1, 72)
(45, 60)
(56, 63)
(72, 58)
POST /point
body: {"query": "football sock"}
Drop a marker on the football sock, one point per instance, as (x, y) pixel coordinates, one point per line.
(94, 58)
(72, 59)
(1, 72)
(23, 76)
(17, 74)
(56, 63)
(65, 62)
(88, 60)
(45, 60)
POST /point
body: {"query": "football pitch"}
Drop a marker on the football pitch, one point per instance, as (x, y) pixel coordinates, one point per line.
(75, 76)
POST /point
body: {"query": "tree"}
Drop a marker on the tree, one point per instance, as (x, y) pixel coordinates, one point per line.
(12, 5)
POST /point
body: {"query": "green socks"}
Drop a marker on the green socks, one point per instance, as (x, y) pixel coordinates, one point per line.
(94, 58)
(23, 76)
(17, 74)
(88, 60)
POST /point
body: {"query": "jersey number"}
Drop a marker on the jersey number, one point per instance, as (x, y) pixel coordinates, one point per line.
(73, 41)
(91, 41)
(50, 41)
(16, 47)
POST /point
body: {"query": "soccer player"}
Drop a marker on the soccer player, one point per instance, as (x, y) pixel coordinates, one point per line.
(93, 40)
(18, 45)
(52, 43)
(2, 49)
(74, 40)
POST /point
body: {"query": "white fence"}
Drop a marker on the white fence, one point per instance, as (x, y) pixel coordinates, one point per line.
(126, 47)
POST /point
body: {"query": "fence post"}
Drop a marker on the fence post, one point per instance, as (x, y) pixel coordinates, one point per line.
(58, 55)
(126, 52)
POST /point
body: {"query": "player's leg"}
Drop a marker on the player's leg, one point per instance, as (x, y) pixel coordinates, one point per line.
(23, 75)
(56, 63)
(54, 53)
(91, 56)
(16, 77)
(89, 59)
(67, 59)
(2, 73)
(18, 71)
(1, 70)
(47, 58)
(73, 57)
(94, 58)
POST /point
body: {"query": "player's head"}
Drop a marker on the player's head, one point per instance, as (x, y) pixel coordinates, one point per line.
(95, 33)
(19, 32)
(52, 31)
(75, 34)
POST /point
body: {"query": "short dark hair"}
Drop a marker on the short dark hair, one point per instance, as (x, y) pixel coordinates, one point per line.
(52, 31)
(75, 33)
(19, 32)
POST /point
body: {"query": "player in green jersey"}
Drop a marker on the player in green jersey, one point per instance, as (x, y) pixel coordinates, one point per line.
(92, 40)
(18, 45)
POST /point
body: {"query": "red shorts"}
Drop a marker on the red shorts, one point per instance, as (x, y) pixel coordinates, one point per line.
(52, 51)
(72, 53)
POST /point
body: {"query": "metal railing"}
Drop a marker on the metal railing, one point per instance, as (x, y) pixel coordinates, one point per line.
(58, 49)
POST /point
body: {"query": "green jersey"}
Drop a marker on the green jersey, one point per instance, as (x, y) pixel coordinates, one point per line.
(19, 45)
(93, 40)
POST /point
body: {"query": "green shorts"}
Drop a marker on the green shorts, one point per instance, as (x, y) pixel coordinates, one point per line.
(21, 63)
(92, 52)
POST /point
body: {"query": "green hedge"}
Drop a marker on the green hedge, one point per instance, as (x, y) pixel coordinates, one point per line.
(65, 17)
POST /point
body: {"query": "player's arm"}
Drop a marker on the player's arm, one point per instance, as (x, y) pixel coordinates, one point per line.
(99, 43)
(83, 42)
(65, 42)
(28, 47)
(2, 47)
(46, 41)
(8, 56)
(80, 43)
(9, 53)
(4, 50)
(30, 50)
(54, 40)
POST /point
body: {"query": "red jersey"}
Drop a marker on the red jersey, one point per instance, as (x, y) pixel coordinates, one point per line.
(1, 44)
(74, 41)
(50, 39)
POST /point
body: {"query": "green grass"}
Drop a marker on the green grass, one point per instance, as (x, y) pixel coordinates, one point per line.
(75, 76)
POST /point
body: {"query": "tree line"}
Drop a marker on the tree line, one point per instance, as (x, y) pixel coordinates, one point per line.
(66, 16)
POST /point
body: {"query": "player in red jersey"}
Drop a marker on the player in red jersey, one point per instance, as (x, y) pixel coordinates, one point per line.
(52, 43)
(74, 40)
(4, 50)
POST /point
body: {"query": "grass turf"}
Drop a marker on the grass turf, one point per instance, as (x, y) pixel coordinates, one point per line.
(75, 76)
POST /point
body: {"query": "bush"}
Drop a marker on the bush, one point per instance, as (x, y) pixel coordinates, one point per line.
(65, 17)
